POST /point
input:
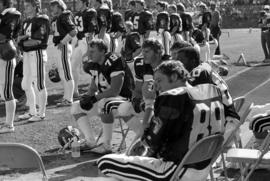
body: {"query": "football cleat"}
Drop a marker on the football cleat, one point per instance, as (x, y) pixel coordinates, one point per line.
(6, 129)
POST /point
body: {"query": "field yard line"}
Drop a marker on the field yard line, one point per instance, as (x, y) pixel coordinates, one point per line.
(259, 86)
(236, 74)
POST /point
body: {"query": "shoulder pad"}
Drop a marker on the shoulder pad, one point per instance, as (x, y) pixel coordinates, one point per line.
(138, 59)
(174, 92)
(43, 17)
(134, 34)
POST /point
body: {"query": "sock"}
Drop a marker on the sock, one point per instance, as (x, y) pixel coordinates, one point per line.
(42, 101)
(68, 90)
(107, 134)
(31, 100)
(86, 129)
(10, 111)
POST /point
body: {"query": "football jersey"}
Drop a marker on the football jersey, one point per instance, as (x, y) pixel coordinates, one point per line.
(37, 28)
(143, 72)
(163, 21)
(10, 23)
(112, 66)
(86, 22)
(129, 15)
(205, 19)
(187, 23)
(117, 23)
(136, 21)
(131, 44)
(183, 116)
(204, 74)
(146, 22)
(62, 25)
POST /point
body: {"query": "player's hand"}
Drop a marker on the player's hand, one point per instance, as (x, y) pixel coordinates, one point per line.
(148, 90)
(87, 102)
(136, 103)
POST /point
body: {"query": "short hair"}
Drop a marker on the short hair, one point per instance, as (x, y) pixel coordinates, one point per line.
(173, 7)
(100, 44)
(162, 4)
(180, 44)
(154, 45)
(192, 55)
(181, 7)
(171, 67)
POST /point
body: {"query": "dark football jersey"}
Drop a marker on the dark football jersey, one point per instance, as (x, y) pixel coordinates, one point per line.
(104, 17)
(183, 116)
(143, 71)
(163, 21)
(136, 21)
(132, 43)
(206, 19)
(175, 21)
(129, 15)
(10, 23)
(37, 28)
(62, 25)
(112, 66)
(204, 74)
(187, 23)
(86, 22)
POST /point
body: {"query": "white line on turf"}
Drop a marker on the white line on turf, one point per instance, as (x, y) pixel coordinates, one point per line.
(257, 87)
(238, 73)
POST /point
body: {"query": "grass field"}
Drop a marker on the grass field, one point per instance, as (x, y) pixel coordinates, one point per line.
(43, 135)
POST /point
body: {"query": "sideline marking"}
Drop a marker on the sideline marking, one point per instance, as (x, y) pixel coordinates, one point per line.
(236, 74)
(257, 87)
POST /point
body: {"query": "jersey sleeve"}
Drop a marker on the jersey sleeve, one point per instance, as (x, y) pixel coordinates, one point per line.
(138, 68)
(67, 22)
(117, 66)
(168, 109)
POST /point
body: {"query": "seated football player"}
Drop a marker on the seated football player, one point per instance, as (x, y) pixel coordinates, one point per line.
(111, 85)
(187, 22)
(177, 46)
(174, 125)
(259, 123)
(202, 73)
(199, 38)
(33, 43)
(86, 23)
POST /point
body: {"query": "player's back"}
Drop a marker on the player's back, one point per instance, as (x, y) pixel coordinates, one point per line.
(10, 22)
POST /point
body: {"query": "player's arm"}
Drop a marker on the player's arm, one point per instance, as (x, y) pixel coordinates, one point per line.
(115, 89)
(69, 25)
(167, 43)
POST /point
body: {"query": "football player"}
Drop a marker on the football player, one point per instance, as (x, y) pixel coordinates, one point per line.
(202, 73)
(33, 43)
(64, 30)
(175, 27)
(205, 20)
(10, 22)
(110, 86)
(187, 24)
(199, 38)
(138, 15)
(131, 10)
(162, 32)
(86, 23)
(178, 118)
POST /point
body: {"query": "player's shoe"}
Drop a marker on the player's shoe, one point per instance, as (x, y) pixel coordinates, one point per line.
(101, 149)
(64, 103)
(36, 118)
(25, 116)
(6, 129)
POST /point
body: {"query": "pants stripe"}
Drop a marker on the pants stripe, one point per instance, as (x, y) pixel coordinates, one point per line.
(8, 93)
(112, 104)
(40, 73)
(65, 64)
(139, 172)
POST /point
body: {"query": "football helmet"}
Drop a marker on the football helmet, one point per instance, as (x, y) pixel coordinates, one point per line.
(60, 3)
(162, 21)
(8, 50)
(67, 135)
(54, 75)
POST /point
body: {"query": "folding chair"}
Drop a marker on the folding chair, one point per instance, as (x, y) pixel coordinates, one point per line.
(232, 137)
(205, 149)
(16, 155)
(251, 157)
(123, 131)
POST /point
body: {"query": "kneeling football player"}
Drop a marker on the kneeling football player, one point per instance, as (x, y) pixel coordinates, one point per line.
(110, 86)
